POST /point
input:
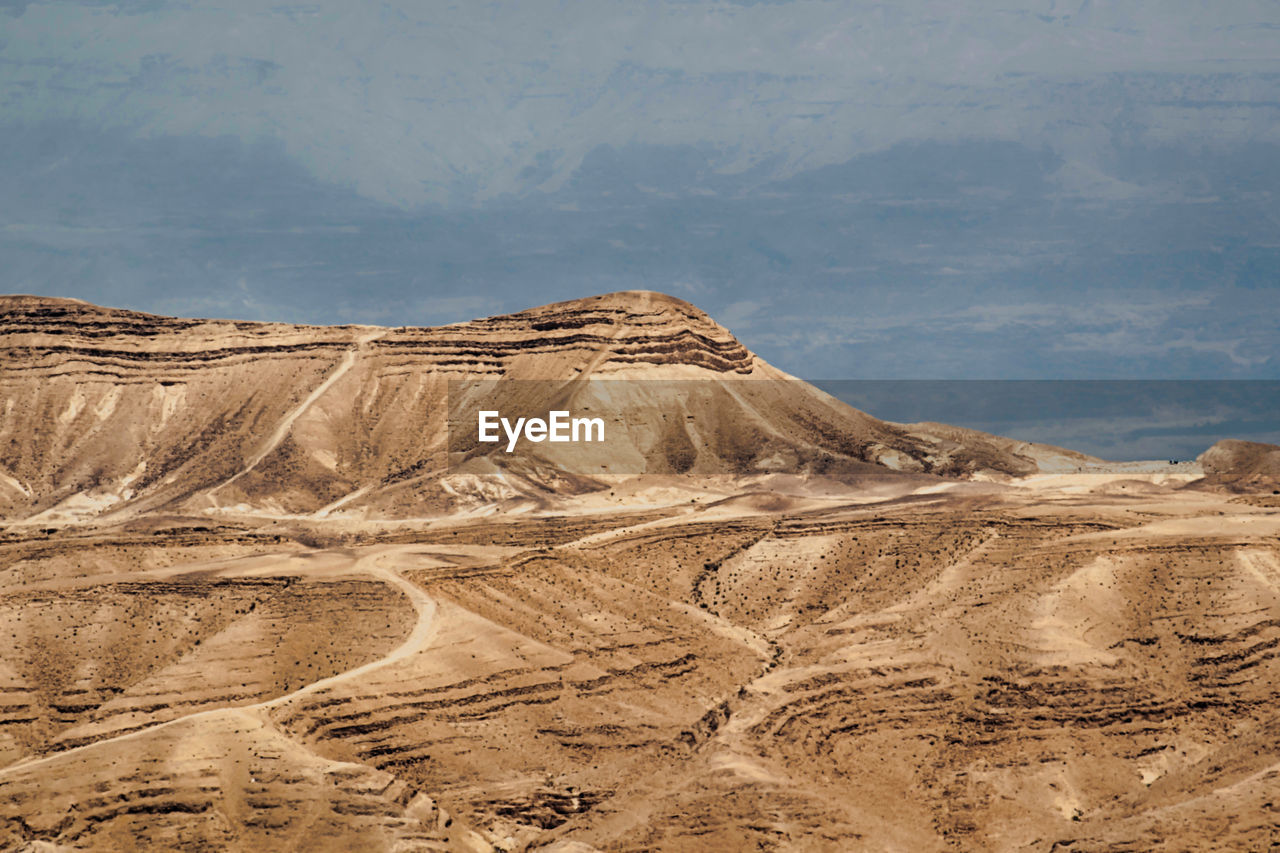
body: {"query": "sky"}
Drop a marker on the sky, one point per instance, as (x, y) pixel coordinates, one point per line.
(923, 189)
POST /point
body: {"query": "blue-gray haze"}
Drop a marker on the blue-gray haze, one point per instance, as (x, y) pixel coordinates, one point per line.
(919, 188)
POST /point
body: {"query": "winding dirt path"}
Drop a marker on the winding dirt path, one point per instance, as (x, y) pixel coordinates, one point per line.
(1263, 565)
(291, 417)
(419, 638)
(368, 564)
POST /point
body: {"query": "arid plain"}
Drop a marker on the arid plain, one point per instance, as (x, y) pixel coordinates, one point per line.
(253, 599)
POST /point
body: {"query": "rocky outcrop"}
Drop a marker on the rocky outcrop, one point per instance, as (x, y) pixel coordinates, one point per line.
(1243, 466)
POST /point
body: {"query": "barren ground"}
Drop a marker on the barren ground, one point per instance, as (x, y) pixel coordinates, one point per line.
(1065, 665)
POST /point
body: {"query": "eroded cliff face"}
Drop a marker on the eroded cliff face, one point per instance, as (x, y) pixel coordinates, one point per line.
(109, 411)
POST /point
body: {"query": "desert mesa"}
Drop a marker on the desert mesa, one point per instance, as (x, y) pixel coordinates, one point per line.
(111, 412)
